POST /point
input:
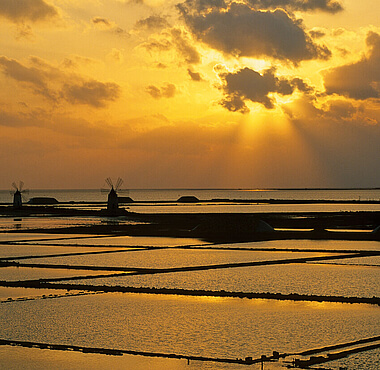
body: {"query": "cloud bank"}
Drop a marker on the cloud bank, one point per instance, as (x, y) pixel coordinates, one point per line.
(27, 10)
(242, 31)
(167, 91)
(247, 84)
(360, 80)
(329, 6)
(54, 84)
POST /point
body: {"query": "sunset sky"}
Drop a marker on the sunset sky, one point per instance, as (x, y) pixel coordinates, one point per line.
(190, 94)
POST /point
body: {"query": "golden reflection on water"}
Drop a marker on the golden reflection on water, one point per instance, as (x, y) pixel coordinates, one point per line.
(14, 293)
(257, 303)
(37, 359)
(208, 325)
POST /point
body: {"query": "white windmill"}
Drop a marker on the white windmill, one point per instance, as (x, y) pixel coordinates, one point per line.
(18, 194)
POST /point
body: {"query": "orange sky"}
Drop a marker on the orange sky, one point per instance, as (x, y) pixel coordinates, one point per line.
(190, 94)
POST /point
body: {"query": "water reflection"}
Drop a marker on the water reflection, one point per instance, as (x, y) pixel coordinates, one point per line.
(205, 326)
(130, 241)
(29, 273)
(347, 281)
(224, 327)
(170, 258)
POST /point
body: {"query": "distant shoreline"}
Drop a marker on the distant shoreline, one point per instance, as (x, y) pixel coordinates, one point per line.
(214, 200)
(211, 189)
(216, 227)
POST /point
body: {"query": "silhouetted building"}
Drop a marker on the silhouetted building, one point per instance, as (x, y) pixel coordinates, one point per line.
(113, 201)
(17, 200)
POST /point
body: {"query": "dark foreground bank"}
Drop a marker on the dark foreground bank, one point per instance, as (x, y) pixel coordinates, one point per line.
(216, 227)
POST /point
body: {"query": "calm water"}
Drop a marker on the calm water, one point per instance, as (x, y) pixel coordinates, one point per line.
(216, 327)
(170, 258)
(347, 281)
(151, 195)
(27, 273)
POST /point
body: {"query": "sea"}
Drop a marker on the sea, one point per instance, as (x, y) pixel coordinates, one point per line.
(187, 326)
(166, 200)
(98, 195)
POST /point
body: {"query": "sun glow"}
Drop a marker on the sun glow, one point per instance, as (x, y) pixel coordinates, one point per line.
(137, 78)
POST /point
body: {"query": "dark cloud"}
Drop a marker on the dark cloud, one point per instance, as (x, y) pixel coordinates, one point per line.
(202, 5)
(195, 76)
(19, 11)
(341, 109)
(93, 93)
(360, 80)
(24, 31)
(343, 137)
(157, 45)
(33, 77)
(235, 103)
(247, 84)
(167, 91)
(152, 22)
(175, 39)
(316, 34)
(154, 91)
(109, 26)
(104, 21)
(13, 120)
(184, 46)
(19, 72)
(46, 80)
(336, 110)
(240, 30)
(301, 85)
(330, 6)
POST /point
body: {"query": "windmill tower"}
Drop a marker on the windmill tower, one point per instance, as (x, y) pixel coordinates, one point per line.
(113, 200)
(17, 194)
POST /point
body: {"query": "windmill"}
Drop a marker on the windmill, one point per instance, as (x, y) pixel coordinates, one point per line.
(113, 201)
(18, 194)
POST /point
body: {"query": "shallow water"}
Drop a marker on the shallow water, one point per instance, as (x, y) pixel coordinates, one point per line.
(347, 281)
(37, 359)
(330, 245)
(216, 327)
(168, 258)
(19, 237)
(33, 273)
(45, 222)
(15, 293)
(8, 251)
(223, 327)
(362, 261)
(129, 241)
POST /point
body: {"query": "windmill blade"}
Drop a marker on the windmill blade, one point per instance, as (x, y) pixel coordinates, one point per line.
(119, 182)
(21, 184)
(109, 182)
(14, 185)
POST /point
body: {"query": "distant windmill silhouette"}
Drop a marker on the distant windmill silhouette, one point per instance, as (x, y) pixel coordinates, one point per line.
(18, 193)
(113, 201)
